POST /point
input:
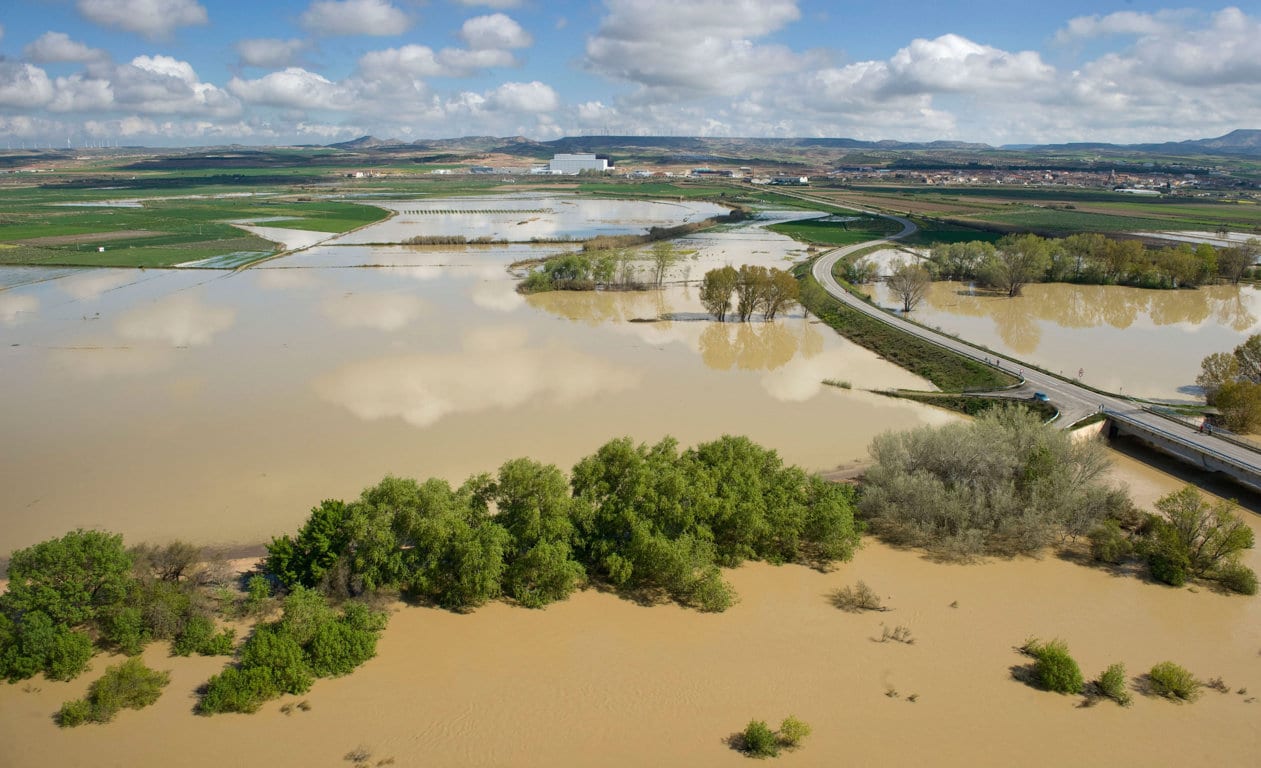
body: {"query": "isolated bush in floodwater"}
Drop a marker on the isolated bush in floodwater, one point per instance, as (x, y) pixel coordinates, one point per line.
(1003, 484)
(1054, 669)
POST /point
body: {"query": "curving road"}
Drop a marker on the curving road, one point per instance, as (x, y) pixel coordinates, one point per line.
(1073, 401)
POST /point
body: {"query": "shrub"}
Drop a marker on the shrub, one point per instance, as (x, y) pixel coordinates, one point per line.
(758, 740)
(130, 685)
(199, 637)
(1054, 668)
(1205, 537)
(1003, 484)
(274, 649)
(1112, 684)
(860, 597)
(1173, 682)
(337, 648)
(1237, 577)
(74, 713)
(792, 731)
(237, 689)
(257, 591)
(1108, 543)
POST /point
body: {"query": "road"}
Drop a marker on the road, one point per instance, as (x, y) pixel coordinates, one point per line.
(1074, 402)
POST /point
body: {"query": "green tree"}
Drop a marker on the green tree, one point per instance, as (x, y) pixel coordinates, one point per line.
(663, 255)
(716, 290)
(34, 643)
(69, 578)
(780, 292)
(306, 558)
(1232, 262)
(1018, 260)
(909, 282)
(751, 281)
(1216, 371)
(1209, 535)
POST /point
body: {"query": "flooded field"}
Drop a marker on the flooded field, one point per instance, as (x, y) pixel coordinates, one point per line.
(601, 681)
(1066, 328)
(522, 218)
(220, 406)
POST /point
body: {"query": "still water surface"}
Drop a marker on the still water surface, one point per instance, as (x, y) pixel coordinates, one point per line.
(220, 406)
(1141, 342)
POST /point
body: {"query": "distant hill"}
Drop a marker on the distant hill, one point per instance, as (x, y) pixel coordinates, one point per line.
(1241, 142)
(701, 149)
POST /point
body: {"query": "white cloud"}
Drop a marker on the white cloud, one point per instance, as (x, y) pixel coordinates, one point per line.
(355, 17)
(1120, 23)
(82, 94)
(496, 31)
(954, 63)
(151, 18)
(408, 61)
(499, 4)
(22, 85)
(684, 50)
(52, 47)
(293, 87)
(463, 62)
(166, 85)
(523, 97)
(270, 53)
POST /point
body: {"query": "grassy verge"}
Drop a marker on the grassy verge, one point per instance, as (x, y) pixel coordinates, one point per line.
(836, 232)
(974, 405)
(946, 370)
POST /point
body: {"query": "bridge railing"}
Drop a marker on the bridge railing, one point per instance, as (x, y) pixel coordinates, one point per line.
(1219, 433)
(1252, 469)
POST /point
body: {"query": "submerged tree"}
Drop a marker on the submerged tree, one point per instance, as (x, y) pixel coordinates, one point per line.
(909, 282)
(716, 289)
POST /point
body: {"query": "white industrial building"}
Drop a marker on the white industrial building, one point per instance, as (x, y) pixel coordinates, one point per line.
(575, 164)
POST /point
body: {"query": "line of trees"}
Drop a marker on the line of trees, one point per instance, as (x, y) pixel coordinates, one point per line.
(751, 288)
(1017, 260)
(608, 269)
(650, 521)
(1232, 383)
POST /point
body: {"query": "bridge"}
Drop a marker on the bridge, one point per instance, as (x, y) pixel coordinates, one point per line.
(1203, 450)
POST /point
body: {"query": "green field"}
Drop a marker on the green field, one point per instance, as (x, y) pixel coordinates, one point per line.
(43, 227)
(836, 233)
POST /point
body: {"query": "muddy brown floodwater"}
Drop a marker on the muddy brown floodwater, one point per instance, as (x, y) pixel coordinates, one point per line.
(1069, 328)
(219, 407)
(598, 680)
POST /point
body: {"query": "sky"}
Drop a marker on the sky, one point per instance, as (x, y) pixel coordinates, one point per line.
(209, 72)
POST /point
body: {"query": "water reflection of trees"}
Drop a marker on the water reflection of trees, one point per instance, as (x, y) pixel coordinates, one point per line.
(757, 346)
(1089, 306)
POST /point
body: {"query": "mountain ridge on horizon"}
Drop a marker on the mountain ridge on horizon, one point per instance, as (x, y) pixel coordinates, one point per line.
(1243, 141)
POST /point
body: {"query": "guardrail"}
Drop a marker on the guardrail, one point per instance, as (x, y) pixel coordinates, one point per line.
(1255, 471)
(1219, 433)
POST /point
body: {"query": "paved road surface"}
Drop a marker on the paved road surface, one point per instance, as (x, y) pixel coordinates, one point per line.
(1074, 402)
